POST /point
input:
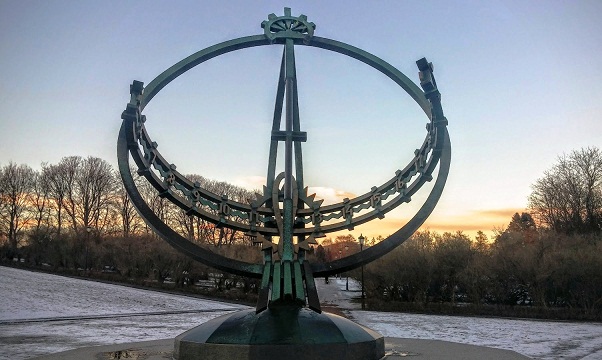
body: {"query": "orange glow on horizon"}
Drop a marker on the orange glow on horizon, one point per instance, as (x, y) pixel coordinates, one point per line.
(487, 221)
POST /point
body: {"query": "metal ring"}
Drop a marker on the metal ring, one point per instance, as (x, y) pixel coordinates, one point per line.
(441, 154)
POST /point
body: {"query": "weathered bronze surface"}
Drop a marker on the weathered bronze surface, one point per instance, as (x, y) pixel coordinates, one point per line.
(296, 333)
(284, 210)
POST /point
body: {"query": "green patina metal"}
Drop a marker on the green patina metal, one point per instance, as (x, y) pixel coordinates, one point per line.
(284, 219)
(276, 281)
(299, 289)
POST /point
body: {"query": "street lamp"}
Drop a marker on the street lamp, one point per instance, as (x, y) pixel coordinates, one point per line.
(88, 230)
(347, 274)
(340, 257)
(361, 239)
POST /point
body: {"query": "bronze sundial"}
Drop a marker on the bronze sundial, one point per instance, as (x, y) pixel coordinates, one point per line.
(284, 219)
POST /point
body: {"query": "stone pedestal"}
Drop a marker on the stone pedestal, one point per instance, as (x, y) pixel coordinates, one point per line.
(286, 332)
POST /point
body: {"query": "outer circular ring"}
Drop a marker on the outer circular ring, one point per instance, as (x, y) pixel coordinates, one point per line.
(441, 152)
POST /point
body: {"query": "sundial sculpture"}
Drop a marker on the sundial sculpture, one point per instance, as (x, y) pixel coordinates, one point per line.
(288, 310)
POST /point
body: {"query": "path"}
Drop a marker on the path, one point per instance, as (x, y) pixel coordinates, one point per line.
(336, 299)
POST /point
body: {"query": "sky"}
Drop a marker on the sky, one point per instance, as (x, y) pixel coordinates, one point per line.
(521, 83)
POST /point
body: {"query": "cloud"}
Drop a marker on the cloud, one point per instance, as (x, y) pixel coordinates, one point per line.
(470, 221)
(330, 195)
(504, 213)
(453, 227)
(250, 182)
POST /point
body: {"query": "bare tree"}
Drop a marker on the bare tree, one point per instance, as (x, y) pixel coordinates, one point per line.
(40, 199)
(84, 189)
(568, 198)
(67, 171)
(57, 191)
(95, 187)
(157, 204)
(131, 223)
(452, 255)
(16, 184)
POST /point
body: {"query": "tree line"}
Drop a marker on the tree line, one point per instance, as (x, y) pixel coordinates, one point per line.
(547, 262)
(523, 272)
(75, 216)
(78, 195)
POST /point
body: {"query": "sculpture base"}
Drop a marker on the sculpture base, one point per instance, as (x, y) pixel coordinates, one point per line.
(285, 332)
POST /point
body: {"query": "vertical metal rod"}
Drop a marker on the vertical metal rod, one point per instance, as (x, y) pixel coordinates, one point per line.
(276, 124)
(288, 149)
(297, 127)
(288, 250)
(363, 297)
(298, 154)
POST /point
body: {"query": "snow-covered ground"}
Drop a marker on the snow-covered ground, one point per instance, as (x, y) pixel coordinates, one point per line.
(537, 339)
(41, 314)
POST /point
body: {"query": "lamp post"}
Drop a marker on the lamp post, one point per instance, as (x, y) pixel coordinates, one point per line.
(347, 274)
(361, 239)
(88, 230)
(340, 257)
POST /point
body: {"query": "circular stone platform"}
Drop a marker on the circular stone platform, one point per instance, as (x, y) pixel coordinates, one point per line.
(280, 332)
(395, 349)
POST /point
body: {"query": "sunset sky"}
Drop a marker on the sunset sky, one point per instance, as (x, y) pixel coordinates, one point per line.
(521, 84)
